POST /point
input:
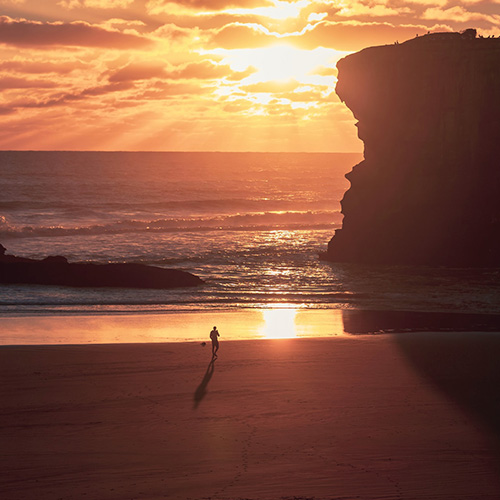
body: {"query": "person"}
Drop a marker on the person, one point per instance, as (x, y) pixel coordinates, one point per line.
(214, 334)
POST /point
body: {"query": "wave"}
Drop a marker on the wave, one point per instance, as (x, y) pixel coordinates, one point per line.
(238, 222)
(182, 205)
(248, 297)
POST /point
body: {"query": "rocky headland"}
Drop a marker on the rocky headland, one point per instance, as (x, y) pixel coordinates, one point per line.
(428, 189)
(56, 270)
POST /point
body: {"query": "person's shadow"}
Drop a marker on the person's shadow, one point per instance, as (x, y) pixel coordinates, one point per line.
(201, 391)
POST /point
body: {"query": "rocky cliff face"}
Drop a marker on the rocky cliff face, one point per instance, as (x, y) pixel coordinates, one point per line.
(428, 190)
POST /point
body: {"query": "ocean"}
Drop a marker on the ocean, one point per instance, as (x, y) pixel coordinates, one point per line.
(250, 224)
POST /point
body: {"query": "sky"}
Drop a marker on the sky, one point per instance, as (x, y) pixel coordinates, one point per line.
(197, 75)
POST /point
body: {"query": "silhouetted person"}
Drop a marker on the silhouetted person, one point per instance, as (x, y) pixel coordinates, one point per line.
(214, 335)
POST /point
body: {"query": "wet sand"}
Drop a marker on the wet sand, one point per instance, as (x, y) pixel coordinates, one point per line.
(400, 416)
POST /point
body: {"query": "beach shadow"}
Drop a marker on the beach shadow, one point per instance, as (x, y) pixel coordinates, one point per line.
(457, 353)
(362, 322)
(463, 366)
(201, 390)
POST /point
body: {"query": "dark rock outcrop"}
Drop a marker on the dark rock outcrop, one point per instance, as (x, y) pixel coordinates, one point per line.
(56, 270)
(428, 189)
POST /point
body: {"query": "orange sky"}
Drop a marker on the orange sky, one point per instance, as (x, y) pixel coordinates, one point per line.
(197, 75)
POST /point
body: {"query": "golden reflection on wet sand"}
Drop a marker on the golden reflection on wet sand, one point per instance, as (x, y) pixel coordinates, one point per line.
(268, 323)
(279, 324)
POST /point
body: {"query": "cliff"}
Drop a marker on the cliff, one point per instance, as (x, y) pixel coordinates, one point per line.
(58, 271)
(428, 189)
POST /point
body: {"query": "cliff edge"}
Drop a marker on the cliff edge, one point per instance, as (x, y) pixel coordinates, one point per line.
(428, 189)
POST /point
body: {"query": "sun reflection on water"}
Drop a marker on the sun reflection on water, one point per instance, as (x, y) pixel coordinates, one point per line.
(279, 323)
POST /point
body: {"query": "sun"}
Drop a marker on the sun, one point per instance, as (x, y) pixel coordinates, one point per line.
(279, 62)
(278, 323)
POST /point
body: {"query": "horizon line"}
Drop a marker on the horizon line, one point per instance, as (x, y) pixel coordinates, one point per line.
(169, 151)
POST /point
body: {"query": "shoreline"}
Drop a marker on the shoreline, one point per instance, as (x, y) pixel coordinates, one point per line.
(241, 324)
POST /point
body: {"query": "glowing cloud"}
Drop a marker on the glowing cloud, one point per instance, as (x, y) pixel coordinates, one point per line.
(279, 10)
(198, 74)
(95, 4)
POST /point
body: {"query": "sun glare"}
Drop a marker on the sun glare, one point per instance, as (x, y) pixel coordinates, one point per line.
(278, 324)
(281, 62)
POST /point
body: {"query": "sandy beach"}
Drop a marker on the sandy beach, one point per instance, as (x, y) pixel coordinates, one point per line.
(401, 416)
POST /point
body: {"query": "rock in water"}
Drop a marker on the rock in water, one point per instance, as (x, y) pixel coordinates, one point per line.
(428, 189)
(56, 270)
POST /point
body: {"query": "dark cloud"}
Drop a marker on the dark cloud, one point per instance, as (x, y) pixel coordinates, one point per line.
(11, 82)
(77, 34)
(65, 98)
(6, 110)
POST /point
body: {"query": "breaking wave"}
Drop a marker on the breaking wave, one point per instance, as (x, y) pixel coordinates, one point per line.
(239, 222)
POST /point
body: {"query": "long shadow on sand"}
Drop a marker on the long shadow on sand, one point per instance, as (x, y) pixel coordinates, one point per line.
(201, 391)
(465, 367)
(458, 353)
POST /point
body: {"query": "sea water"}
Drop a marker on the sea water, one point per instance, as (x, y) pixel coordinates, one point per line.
(250, 224)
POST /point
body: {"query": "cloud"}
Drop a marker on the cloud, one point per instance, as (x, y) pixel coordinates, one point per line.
(169, 90)
(272, 87)
(193, 7)
(138, 71)
(43, 34)
(128, 26)
(240, 75)
(95, 4)
(459, 14)
(360, 9)
(6, 110)
(241, 36)
(316, 16)
(68, 97)
(352, 36)
(343, 35)
(257, 74)
(475, 2)
(198, 70)
(41, 67)
(420, 3)
(326, 71)
(208, 70)
(11, 82)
